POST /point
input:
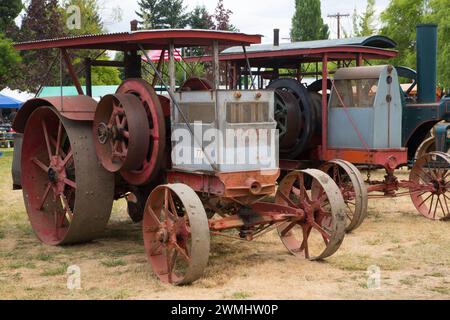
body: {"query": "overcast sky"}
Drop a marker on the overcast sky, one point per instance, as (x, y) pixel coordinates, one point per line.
(250, 16)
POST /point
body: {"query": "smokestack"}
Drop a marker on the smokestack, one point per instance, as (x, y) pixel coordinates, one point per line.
(426, 45)
(133, 25)
(276, 37)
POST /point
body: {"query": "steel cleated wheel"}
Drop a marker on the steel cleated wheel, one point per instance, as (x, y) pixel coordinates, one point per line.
(430, 185)
(176, 234)
(320, 232)
(349, 180)
(68, 195)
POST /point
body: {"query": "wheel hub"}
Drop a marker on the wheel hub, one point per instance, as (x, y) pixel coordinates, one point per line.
(103, 133)
(163, 236)
(52, 175)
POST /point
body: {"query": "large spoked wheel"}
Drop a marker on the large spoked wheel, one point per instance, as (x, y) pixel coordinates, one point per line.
(154, 156)
(176, 234)
(349, 180)
(308, 121)
(427, 146)
(429, 185)
(68, 195)
(321, 231)
(119, 124)
(288, 118)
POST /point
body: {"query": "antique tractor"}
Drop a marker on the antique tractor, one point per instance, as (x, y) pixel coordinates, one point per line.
(173, 157)
(356, 116)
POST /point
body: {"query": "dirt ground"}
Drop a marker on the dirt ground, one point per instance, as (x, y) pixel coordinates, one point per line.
(412, 253)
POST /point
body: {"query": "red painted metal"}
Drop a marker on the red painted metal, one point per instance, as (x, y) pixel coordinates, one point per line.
(120, 120)
(81, 108)
(381, 157)
(71, 70)
(149, 39)
(324, 105)
(248, 186)
(306, 55)
(155, 152)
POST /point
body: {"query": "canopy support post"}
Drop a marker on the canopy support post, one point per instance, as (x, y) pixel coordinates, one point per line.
(71, 70)
(324, 106)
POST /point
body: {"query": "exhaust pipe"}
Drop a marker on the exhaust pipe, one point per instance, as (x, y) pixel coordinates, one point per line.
(426, 45)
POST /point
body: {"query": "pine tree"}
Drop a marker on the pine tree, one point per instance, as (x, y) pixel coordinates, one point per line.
(307, 22)
(200, 18)
(150, 14)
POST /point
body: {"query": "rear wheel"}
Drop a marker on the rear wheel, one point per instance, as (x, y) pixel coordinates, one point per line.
(353, 189)
(321, 231)
(68, 195)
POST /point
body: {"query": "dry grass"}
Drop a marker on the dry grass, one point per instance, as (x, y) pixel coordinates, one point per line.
(412, 253)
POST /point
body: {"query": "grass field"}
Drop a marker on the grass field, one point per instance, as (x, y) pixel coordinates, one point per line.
(413, 255)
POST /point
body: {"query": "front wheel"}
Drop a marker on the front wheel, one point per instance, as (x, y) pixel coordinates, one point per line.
(176, 234)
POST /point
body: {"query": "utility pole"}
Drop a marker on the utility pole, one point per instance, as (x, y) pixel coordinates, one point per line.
(338, 16)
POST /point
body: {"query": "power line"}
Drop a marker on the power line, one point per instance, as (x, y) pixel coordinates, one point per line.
(338, 16)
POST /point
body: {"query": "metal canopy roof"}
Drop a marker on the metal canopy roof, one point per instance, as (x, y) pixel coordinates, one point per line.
(292, 54)
(380, 42)
(149, 39)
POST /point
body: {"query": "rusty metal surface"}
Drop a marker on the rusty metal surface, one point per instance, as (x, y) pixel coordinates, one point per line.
(196, 84)
(71, 107)
(155, 116)
(324, 213)
(176, 234)
(149, 39)
(354, 191)
(428, 185)
(67, 193)
(119, 131)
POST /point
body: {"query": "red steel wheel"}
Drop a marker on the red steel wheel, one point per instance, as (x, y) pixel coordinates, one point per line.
(321, 231)
(429, 185)
(196, 84)
(68, 195)
(176, 234)
(353, 189)
(154, 158)
(119, 125)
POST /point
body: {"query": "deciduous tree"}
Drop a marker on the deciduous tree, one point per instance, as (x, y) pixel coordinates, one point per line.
(307, 22)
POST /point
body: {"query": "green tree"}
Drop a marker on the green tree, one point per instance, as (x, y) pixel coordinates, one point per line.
(307, 22)
(150, 14)
(200, 18)
(9, 10)
(174, 14)
(363, 25)
(42, 20)
(399, 20)
(9, 60)
(438, 13)
(91, 23)
(161, 14)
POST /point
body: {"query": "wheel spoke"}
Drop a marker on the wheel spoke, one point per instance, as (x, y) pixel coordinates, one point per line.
(70, 183)
(288, 200)
(288, 228)
(183, 253)
(325, 235)
(37, 162)
(67, 158)
(47, 140)
(58, 138)
(45, 196)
